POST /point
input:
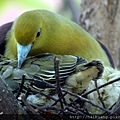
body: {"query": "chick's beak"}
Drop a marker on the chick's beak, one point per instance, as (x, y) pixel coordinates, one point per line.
(22, 53)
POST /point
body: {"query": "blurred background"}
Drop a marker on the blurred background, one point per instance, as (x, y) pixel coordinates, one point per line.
(11, 9)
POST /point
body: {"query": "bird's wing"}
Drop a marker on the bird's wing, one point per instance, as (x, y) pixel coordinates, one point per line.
(3, 31)
(40, 67)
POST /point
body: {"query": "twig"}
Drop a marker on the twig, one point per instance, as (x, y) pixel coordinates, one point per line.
(44, 108)
(68, 108)
(49, 84)
(76, 106)
(116, 109)
(95, 81)
(56, 67)
(73, 110)
(77, 96)
(48, 96)
(86, 93)
(86, 100)
(21, 86)
(31, 108)
(61, 97)
(114, 104)
(28, 89)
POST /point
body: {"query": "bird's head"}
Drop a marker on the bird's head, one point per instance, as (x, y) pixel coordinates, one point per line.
(27, 30)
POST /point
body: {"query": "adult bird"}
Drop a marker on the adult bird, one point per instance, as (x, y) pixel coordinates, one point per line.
(41, 31)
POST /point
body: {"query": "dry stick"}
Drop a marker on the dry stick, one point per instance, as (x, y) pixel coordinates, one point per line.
(61, 97)
(54, 108)
(95, 81)
(73, 110)
(113, 105)
(79, 108)
(56, 67)
(33, 89)
(44, 108)
(86, 100)
(31, 108)
(84, 112)
(86, 93)
(78, 96)
(28, 89)
(66, 110)
(116, 110)
(21, 86)
(49, 84)
(51, 107)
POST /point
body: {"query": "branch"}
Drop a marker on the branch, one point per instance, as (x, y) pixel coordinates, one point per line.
(86, 93)
(95, 81)
(56, 67)
(21, 86)
(8, 103)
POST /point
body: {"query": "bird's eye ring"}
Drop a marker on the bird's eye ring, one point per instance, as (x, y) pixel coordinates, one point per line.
(38, 33)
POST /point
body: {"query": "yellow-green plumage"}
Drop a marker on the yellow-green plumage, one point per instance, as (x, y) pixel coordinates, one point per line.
(57, 35)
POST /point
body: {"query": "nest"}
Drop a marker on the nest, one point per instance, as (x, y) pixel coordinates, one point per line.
(73, 110)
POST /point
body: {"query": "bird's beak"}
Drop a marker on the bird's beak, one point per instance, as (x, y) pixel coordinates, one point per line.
(22, 53)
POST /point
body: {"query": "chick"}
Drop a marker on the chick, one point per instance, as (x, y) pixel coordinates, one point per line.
(109, 94)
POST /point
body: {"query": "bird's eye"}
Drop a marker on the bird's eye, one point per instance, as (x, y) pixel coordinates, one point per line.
(38, 33)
